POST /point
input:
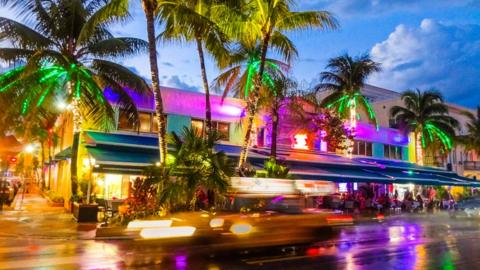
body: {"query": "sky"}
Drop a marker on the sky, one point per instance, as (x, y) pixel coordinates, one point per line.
(419, 43)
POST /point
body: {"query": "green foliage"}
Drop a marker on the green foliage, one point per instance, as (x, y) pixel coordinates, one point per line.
(196, 166)
(345, 79)
(65, 57)
(426, 114)
(273, 169)
(335, 132)
(143, 200)
(244, 66)
(472, 139)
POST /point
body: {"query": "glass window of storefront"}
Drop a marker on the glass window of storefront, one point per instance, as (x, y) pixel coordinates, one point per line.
(113, 186)
(147, 120)
(361, 148)
(392, 152)
(222, 128)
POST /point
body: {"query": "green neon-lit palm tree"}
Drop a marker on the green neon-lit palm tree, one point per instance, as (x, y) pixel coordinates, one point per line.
(426, 115)
(194, 21)
(238, 79)
(472, 139)
(345, 79)
(66, 54)
(265, 22)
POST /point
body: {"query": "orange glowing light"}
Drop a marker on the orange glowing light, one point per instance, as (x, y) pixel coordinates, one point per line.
(300, 141)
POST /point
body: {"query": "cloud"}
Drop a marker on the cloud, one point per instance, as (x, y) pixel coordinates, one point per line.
(176, 82)
(348, 8)
(431, 55)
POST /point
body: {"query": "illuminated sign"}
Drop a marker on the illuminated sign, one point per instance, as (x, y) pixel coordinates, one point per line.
(262, 185)
(342, 187)
(300, 141)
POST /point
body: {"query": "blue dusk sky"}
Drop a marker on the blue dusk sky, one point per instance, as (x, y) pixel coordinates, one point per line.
(420, 44)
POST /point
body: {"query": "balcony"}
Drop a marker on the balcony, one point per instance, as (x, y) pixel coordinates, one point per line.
(471, 165)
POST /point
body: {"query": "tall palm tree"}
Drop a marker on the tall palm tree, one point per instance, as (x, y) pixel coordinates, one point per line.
(282, 96)
(264, 22)
(426, 115)
(472, 139)
(244, 65)
(194, 21)
(150, 8)
(345, 79)
(66, 55)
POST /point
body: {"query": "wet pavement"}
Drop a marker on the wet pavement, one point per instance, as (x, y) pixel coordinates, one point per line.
(47, 240)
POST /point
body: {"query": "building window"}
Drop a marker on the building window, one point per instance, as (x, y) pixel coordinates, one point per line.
(222, 128)
(198, 126)
(361, 148)
(147, 121)
(392, 152)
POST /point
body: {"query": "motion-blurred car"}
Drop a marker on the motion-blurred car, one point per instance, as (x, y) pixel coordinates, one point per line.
(467, 208)
(6, 192)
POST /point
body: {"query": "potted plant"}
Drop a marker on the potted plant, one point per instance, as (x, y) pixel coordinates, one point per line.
(82, 210)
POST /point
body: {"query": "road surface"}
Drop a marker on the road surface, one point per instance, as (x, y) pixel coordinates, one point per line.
(426, 241)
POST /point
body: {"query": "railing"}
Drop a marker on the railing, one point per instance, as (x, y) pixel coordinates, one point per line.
(471, 165)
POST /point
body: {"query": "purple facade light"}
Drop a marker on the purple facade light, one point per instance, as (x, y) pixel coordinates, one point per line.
(189, 103)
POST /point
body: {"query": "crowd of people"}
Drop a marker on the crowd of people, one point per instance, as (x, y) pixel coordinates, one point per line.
(361, 201)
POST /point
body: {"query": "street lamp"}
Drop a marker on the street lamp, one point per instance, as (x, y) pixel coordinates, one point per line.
(29, 148)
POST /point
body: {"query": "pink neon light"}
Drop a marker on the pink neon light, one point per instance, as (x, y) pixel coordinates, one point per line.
(230, 110)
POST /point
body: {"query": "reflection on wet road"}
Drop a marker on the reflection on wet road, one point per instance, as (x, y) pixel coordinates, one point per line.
(424, 242)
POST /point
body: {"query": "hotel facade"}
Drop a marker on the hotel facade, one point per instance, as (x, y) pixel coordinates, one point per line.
(383, 154)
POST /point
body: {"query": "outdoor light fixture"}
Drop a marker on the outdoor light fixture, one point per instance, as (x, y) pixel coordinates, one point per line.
(29, 148)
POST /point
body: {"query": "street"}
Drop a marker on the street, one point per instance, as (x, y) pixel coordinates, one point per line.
(44, 237)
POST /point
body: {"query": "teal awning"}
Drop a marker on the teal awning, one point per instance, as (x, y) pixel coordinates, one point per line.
(121, 160)
(64, 154)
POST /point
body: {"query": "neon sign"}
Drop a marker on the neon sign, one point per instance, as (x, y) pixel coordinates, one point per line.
(300, 141)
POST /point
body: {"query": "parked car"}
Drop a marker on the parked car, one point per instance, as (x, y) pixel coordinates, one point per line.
(7, 192)
(469, 207)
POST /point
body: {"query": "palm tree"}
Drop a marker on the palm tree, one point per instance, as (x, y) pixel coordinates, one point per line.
(150, 8)
(472, 139)
(65, 56)
(265, 24)
(345, 79)
(196, 165)
(426, 115)
(192, 21)
(281, 96)
(244, 65)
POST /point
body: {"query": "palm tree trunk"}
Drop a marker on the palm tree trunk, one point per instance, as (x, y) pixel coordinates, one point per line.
(77, 128)
(42, 150)
(208, 109)
(252, 102)
(353, 126)
(419, 148)
(149, 8)
(273, 146)
(49, 166)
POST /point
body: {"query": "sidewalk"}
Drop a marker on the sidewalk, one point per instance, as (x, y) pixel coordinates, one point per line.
(33, 217)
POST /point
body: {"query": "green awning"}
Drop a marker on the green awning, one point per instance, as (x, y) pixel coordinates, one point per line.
(64, 154)
(133, 157)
